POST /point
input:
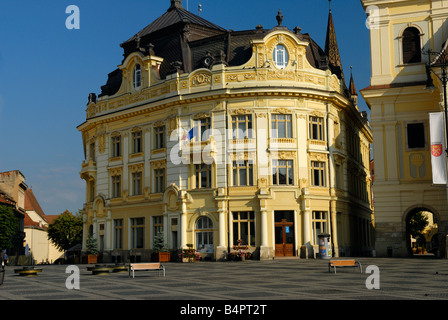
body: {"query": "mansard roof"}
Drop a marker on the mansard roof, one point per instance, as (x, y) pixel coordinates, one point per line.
(174, 15)
(184, 40)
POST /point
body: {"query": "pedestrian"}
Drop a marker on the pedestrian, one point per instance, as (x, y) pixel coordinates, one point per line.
(4, 258)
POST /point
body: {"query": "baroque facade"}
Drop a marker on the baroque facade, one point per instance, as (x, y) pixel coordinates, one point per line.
(400, 33)
(211, 136)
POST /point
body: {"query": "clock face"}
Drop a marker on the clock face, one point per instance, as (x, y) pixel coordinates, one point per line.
(280, 56)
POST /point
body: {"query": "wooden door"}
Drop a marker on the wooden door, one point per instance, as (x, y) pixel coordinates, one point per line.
(284, 238)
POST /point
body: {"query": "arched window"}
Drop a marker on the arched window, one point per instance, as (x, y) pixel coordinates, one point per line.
(137, 77)
(204, 235)
(411, 45)
(280, 56)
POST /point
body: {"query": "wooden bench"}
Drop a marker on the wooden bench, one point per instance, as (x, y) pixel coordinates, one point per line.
(343, 263)
(146, 267)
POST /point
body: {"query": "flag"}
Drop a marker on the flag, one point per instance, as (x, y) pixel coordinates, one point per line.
(438, 157)
(188, 136)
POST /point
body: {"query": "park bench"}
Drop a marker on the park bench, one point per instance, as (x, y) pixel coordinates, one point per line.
(146, 267)
(343, 263)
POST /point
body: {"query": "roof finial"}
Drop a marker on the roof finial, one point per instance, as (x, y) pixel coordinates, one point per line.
(279, 18)
(329, 2)
(175, 4)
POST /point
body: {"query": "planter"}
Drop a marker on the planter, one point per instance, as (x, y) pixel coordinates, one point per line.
(161, 256)
(188, 260)
(89, 259)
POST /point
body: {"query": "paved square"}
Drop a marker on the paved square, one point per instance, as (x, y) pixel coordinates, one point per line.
(279, 279)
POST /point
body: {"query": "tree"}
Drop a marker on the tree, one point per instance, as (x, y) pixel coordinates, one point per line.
(92, 246)
(417, 224)
(9, 224)
(159, 243)
(66, 231)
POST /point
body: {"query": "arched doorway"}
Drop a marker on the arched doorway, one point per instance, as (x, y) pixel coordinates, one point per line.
(422, 232)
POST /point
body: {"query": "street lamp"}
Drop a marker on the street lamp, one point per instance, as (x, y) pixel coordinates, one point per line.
(441, 62)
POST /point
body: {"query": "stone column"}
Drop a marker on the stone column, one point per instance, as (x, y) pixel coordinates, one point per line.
(183, 223)
(306, 250)
(264, 247)
(108, 245)
(334, 228)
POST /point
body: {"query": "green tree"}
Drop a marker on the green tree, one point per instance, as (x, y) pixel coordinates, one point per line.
(9, 225)
(417, 224)
(159, 243)
(92, 246)
(66, 231)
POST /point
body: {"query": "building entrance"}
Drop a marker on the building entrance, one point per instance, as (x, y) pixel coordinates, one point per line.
(284, 233)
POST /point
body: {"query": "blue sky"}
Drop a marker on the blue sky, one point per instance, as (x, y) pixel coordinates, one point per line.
(47, 71)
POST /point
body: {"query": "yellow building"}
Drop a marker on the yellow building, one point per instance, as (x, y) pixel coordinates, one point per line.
(213, 136)
(399, 31)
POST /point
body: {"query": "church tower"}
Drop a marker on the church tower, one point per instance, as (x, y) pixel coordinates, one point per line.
(400, 33)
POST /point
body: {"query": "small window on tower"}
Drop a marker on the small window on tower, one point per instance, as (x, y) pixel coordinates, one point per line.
(411, 46)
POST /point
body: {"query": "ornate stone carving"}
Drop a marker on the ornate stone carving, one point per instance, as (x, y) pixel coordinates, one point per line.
(159, 164)
(200, 79)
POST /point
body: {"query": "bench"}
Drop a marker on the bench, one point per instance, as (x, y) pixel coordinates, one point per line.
(146, 267)
(343, 263)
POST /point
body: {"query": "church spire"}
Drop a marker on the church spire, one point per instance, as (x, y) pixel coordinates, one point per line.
(332, 49)
(352, 89)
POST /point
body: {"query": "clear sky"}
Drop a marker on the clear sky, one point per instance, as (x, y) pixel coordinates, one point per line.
(47, 71)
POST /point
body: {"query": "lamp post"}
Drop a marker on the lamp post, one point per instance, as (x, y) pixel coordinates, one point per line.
(442, 63)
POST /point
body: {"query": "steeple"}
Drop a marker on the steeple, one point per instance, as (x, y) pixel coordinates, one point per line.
(332, 49)
(352, 89)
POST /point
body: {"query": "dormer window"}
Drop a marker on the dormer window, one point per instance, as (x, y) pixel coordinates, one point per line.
(411, 46)
(280, 56)
(137, 77)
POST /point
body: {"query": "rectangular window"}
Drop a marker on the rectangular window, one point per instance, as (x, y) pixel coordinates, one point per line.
(137, 232)
(203, 174)
(281, 126)
(203, 127)
(416, 135)
(92, 151)
(242, 127)
(244, 228)
(316, 128)
(137, 183)
(116, 186)
(319, 220)
(92, 190)
(116, 146)
(159, 180)
(118, 233)
(157, 226)
(136, 142)
(282, 172)
(159, 134)
(243, 173)
(338, 176)
(318, 177)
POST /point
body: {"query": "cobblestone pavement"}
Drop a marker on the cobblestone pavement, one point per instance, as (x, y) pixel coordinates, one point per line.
(274, 280)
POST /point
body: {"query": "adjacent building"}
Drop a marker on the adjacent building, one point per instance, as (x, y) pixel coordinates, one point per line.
(400, 34)
(32, 238)
(211, 136)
